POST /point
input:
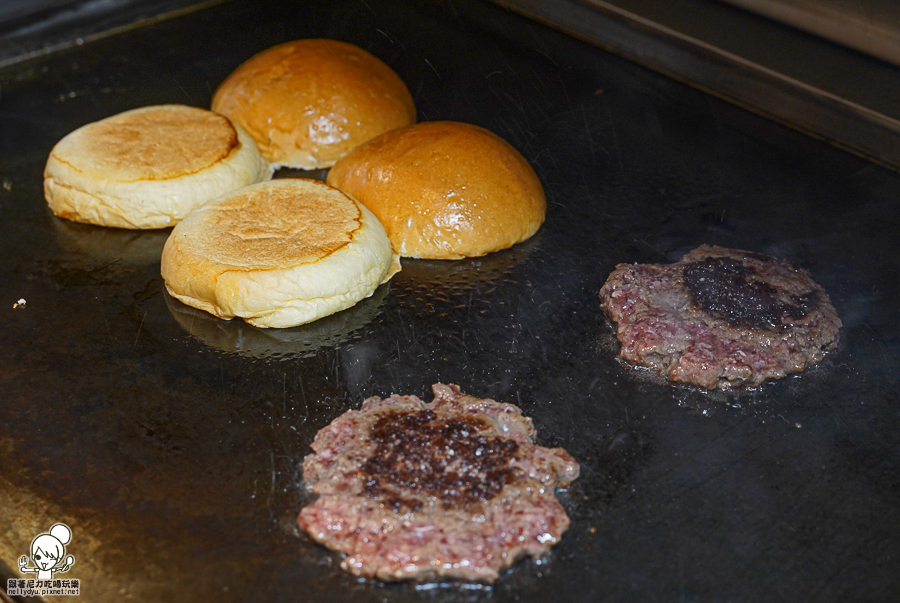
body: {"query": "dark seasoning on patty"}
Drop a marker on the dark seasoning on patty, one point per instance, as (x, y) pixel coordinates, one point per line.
(720, 318)
(451, 489)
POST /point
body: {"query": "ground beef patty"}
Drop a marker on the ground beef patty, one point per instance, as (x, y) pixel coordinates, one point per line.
(720, 318)
(451, 489)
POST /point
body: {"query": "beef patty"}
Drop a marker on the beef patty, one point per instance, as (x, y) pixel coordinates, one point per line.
(720, 318)
(451, 489)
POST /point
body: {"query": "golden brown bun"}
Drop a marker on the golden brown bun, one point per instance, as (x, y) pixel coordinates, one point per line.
(445, 190)
(277, 254)
(308, 102)
(149, 167)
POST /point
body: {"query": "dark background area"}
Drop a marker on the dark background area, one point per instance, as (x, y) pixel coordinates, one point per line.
(30, 9)
(172, 442)
(30, 28)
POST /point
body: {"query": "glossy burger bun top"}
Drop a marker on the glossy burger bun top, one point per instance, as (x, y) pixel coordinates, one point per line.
(277, 254)
(149, 167)
(445, 190)
(308, 102)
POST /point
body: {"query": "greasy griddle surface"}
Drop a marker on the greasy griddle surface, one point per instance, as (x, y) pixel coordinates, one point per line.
(172, 443)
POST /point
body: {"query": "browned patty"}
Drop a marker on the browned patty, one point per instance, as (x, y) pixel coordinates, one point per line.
(451, 489)
(720, 318)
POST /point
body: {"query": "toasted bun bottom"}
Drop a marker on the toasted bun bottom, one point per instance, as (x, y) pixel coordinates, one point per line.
(445, 190)
(149, 167)
(277, 254)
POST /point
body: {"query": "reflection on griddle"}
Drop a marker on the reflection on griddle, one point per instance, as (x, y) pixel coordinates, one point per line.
(448, 278)
(103, 244)
(237, 337)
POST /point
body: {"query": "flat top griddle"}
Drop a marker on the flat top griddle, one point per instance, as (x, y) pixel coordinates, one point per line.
(171, 442)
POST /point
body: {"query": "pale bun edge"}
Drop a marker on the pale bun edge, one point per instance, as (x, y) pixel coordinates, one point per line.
(146, 204)
(288, 296)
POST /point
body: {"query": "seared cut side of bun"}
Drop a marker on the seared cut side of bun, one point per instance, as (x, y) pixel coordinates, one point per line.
(308, 102)
(445, 190)
(149, 167)
(277, 254)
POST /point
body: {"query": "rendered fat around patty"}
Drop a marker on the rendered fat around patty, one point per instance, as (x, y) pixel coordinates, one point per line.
(277, 254)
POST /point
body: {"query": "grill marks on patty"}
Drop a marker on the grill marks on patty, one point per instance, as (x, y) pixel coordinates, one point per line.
(736, 293)
(452, 489)
(720, 318)
(419, 454)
